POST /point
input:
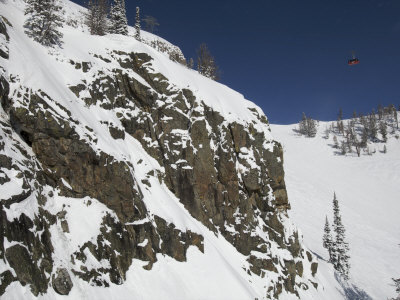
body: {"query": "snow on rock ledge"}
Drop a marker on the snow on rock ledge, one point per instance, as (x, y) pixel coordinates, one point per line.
(154, 163)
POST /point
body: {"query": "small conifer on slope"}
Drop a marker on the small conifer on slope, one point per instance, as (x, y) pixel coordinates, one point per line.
(137, 24)
(96, 17)
(340, 246)
(119, 22)
(206, 63)
(337, 247)
(43, 21)
(307, 126)
(327, 238)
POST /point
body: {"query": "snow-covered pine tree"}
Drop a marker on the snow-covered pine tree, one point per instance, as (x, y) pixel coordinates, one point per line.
(118, 20)
(349, 144)
(380, 111)
(383, 130)
(340, 114)
(395, 116)
(96, 17)
(43, 21)
(372, 127)
(303, 124)
(343, 147)
(340, 257)
(350, 136)
(362, 118)
(340, 126)
(352, 123)
(364, 137)
(307, 126)
(327, 241)
(206, 64)
(311, 127)
(137, 23)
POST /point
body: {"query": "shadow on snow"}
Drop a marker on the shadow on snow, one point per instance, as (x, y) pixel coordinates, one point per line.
(352, 292)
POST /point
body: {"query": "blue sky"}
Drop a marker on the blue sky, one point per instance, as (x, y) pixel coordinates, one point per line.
(290, 56)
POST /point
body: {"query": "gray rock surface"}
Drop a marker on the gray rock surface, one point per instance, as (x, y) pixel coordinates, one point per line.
(61, 281)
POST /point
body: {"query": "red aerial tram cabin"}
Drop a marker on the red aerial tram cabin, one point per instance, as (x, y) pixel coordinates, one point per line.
(353, 61)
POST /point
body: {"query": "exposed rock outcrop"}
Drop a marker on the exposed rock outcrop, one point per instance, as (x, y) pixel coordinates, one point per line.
(62, 283)
(227, 174)
(67, 164)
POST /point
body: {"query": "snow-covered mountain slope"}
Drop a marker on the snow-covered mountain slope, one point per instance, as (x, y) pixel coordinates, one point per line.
(126, 175)
(368, 189)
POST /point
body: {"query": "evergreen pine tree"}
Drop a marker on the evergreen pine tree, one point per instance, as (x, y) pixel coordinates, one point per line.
(395, 116)
(303, 124)
(307, 126)
(341, 127)
(380, 111)
(119, 22)
(311, 127)
(340, 114)
(43, 21)
(343, 148)
(137, 24)
(372, 128)
(327, 239)
(340, 249)
(206, 63)
(96, 17)
(349, 143)
(383, 130)
(352, 123)
(364, 138)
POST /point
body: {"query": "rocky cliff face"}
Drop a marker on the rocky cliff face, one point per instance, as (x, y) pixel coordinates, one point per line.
(226, 172)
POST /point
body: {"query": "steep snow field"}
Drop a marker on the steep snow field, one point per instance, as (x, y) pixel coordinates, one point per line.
(368, 189)
(217, 274)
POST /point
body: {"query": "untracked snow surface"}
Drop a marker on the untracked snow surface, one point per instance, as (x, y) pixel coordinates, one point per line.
(368, 190)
